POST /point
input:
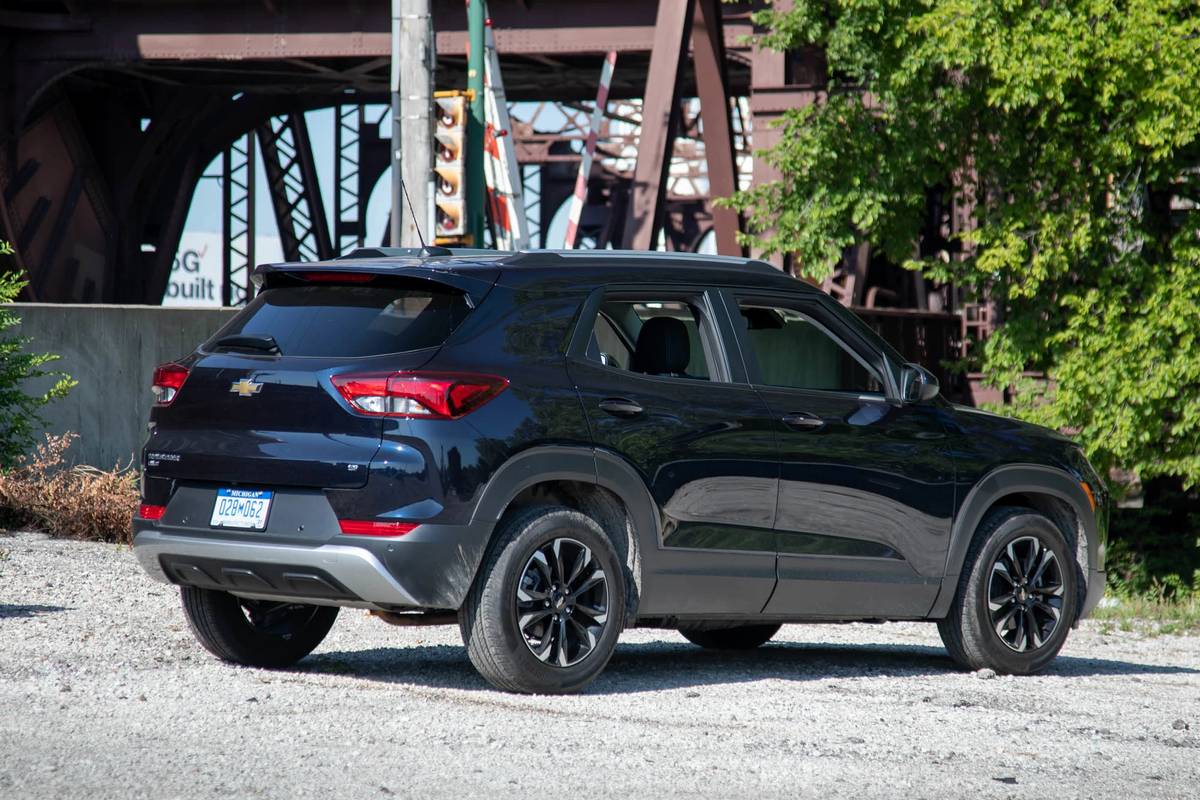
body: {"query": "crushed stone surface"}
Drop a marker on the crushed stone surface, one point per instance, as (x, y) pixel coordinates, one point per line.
(104, 694)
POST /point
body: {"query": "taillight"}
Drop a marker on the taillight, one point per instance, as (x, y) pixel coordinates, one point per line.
(370, 527)
(146, 511)
(420, 395)
(168, 380)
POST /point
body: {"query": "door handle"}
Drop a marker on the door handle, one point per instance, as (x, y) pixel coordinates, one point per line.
(803, 421)
(620, 407)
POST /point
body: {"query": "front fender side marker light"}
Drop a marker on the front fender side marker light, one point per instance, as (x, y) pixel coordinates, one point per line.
(1088, 491)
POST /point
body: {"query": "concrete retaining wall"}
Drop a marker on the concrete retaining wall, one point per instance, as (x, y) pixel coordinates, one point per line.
(112, 351)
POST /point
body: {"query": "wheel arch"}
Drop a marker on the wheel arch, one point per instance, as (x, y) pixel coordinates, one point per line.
(594, 482)
(1052, 492)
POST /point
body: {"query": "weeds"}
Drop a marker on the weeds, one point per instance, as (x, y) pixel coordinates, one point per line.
(1150, 616)
(40, 492)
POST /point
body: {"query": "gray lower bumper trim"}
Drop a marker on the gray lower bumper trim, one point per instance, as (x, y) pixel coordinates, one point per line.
(355, 568)
(1095, 591)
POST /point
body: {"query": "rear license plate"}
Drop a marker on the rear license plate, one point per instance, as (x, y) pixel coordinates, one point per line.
(241, 508)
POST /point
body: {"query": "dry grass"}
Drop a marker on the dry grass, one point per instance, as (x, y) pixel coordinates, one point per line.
(42, 493)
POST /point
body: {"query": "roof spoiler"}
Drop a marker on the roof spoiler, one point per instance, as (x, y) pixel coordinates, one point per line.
(475, 285)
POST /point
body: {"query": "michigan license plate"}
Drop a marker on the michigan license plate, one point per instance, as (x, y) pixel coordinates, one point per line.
(241, 508)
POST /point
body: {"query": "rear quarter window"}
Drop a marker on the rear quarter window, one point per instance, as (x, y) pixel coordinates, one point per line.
(350, 321)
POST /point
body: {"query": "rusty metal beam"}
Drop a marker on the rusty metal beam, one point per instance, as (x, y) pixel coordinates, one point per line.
(252, 61)
(660, 112)
(332, 30)
(153, 193)
(66, 210)
(24, 174)
(152, 283)
(33, 223)
(712, 85)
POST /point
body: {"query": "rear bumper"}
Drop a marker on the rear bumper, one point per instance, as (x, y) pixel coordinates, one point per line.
(332, 574)
(430, 568)
(302, 554)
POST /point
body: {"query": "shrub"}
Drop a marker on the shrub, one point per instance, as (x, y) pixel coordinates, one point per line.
(19, 418)
(40, 492)
(1073, 128)
(1154, 551)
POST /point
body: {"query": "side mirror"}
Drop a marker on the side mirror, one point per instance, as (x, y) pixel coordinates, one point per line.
(917, 384)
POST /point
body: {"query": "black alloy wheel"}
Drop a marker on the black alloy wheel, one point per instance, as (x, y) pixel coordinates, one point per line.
(562, 602)
(1025, 594)
(1017, 595)
(548, 604)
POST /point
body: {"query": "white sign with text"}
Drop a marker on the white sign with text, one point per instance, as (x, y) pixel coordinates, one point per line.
(196, 273)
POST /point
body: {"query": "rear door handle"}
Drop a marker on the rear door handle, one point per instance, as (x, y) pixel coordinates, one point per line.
(620, 407)
(803, 421)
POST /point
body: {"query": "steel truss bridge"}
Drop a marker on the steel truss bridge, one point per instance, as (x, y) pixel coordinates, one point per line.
(110, 111)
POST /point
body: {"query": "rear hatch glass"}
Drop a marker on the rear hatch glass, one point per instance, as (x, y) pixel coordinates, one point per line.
(257, 407)
(349, 321)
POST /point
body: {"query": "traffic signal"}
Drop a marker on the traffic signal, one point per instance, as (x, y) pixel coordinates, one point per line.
(450, 133)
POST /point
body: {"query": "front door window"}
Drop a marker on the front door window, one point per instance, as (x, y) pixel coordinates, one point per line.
(796, 352)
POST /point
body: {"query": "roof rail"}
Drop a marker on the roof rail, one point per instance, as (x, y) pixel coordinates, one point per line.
(546, 258)
(550, 257)
(393, 252)
(417, 252)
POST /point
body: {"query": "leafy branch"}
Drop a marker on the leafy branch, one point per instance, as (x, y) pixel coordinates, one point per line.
(20, 420)
(1075, 128)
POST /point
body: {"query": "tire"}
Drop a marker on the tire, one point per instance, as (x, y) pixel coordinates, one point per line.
(988, 628)
(743, 637)
(279, 635)
(562, 647)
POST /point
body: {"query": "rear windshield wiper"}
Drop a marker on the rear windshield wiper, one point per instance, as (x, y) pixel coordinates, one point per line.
(259, 342)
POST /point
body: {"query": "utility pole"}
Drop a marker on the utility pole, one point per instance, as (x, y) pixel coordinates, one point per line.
(412, 145)
(476, 16)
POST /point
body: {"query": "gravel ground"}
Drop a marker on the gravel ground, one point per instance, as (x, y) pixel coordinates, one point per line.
(103, 693)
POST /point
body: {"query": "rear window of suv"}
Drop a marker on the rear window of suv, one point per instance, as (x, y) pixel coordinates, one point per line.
(351, 321)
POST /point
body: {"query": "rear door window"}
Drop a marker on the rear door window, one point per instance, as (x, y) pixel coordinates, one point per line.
(653, 336)
(351, 321)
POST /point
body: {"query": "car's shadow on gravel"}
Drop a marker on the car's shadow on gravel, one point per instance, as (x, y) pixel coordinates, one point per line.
(19, 611)
(650, 666)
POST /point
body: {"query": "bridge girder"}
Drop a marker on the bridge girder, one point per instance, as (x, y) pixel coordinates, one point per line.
(157, 90)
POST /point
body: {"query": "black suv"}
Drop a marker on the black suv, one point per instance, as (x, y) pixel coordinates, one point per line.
(552, 446)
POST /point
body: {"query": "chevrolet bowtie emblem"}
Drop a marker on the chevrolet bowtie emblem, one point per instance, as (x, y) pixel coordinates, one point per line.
(245, 387)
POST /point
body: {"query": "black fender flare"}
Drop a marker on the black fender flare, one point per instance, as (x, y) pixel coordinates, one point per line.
(530, 467)
(584, 464)
(1008, 480)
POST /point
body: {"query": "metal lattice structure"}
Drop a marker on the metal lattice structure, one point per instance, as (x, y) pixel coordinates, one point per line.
(295, 189)
(349, 223)
(237, 203)
(97, 211)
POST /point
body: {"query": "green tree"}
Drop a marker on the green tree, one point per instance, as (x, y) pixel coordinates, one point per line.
(1073, 124)
(19, 418)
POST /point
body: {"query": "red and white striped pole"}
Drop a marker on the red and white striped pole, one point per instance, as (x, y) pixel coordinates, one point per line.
(589, 150)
